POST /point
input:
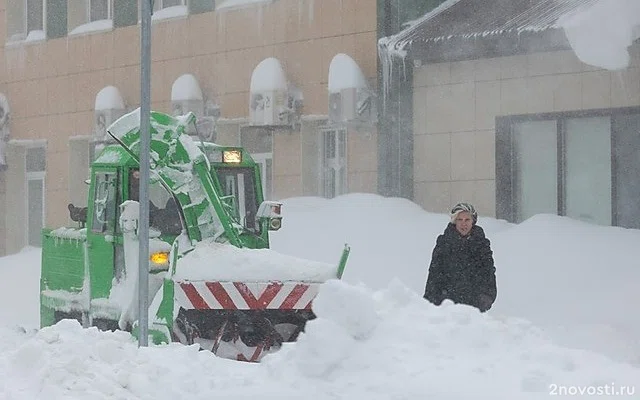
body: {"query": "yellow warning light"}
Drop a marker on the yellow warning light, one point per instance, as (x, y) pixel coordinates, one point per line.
(159, 258)
(232, 156)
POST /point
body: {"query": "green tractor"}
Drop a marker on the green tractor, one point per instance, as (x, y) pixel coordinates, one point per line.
(212, 278)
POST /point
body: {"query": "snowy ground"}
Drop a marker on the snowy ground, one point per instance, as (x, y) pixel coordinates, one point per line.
(565, 321)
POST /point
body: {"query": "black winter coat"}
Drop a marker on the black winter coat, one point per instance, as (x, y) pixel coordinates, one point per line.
(462, 269)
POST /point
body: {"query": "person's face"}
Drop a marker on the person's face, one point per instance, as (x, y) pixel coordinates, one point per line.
(464, 222)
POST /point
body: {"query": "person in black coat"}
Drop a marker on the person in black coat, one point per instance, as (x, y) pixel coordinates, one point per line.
(462, 268)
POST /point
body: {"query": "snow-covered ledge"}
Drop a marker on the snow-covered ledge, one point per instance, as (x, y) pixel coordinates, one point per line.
(235, 4)
(103, 25)
(170, 13)
(35, 36)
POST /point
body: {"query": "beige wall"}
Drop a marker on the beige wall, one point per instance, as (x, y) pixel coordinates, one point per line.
(456, 105)
(16, 210)
(3, 210)
(51, 85)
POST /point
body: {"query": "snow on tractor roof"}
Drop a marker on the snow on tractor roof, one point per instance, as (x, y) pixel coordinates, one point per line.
(222, 262)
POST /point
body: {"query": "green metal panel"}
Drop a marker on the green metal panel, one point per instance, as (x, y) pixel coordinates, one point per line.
(47, 317)
(62, 263)
(114, 156)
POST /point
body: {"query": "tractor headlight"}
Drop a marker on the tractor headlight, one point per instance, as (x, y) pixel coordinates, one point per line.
(232, 156)
(159, 260)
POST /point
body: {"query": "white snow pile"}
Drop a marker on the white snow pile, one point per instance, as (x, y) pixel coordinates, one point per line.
(601, 34)
(223, 262)
(170, 12)
(233, 4)
(92, 27)
(364, 344)
(565, 320)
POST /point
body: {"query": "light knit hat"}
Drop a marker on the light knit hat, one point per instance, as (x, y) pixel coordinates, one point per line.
(461, 207)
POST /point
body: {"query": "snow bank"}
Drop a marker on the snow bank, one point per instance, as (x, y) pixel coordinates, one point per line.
(576, 279)
(222, 262)
(601, 34)
(389, 237)
(561, 283)
(415, 350)
(399, 347)
(20, 288)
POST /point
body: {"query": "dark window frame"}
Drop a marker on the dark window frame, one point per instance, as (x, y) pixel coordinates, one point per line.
(506, 162)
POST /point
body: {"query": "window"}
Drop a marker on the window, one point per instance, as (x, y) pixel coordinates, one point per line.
(265, 160)
(105, 202)
(56, 18)
(35, 174)
(25, 19)
(535, 176)
(125, 12)
(200, 6)
(581, 165)
(259, 143)
(626, 185)
(240, 183)
(160, 4)
(86, 16)
(99, 10)
(334, 146)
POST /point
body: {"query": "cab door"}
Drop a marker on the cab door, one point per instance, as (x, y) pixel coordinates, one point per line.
(103, 230)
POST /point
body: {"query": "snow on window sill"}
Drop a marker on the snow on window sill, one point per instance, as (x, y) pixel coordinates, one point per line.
(32, 37)
(103, 25)
(236, 4)
(170, 13)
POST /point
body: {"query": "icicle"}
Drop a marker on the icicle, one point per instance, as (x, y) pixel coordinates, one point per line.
(389, 49)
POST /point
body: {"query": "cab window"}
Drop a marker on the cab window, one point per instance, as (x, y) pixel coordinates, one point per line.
(164, 214)
(240, 183)
(105, 202)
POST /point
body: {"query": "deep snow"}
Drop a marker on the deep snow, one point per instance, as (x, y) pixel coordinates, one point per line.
(564, 320)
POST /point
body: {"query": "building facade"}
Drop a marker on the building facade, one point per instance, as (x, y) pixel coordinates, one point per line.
(506, 116)
(291, 80)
